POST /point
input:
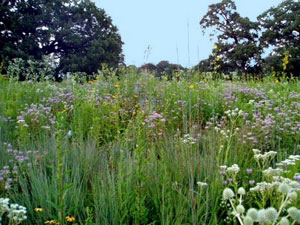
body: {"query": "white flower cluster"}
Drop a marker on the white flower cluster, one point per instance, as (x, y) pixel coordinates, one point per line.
(263, 159)
(289, 161)
(234, 113)
(263, 216)
(188, 139)
(201, 184)
(15, 213)
(233, 170)
(259, 156)
(287, 189)
(270, 172)
(251, 102)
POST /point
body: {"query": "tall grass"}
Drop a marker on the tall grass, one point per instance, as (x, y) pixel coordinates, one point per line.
(117, 147)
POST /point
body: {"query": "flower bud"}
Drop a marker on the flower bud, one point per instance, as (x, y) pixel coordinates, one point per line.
(293, 195)
(294, 213)
(248, 220)
(240, 209)
(284, 221)
(271, 214)
(241, 191)
(284, 188)
(253, 214)
(228, 194)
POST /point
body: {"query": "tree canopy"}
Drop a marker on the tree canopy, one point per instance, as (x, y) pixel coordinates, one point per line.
(75, 33)
(281, 30)
(241, 42)
(236, 47)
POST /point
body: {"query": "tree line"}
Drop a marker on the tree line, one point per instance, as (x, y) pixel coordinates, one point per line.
(242, 42)
(67, 36)
(75, 34)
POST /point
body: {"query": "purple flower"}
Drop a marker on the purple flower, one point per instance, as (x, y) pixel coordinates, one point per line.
(251, 181)
(151, 125)
(222, 172)
(249, 170)
(297, 177)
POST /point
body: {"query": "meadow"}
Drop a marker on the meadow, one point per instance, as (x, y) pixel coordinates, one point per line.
(136, 149)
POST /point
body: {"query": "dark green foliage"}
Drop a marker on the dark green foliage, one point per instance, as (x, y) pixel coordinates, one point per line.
(149, 67)
(237, 37)
(77, 33)
(205, 65)
(281, 29)
(166, 68)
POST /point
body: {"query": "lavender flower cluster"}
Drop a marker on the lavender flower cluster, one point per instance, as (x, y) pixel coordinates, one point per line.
(17, 160)
(36, 117)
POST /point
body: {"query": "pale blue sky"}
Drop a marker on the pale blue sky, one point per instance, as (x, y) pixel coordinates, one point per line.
(162, 25)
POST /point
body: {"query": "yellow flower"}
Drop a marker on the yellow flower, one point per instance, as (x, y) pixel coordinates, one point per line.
(90, 82)
(117, 86)
(135, 96)
(38, 209)
(277, 81)
(192, 86)
(114, 96)
(52, 222)
(70, 218)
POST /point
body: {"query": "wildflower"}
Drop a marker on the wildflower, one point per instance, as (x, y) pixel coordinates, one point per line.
(253, 213)
(38, 209)
(240, 209)
(249, 170)
(297, 177)
(271, 214)
(248, 220)
(284, 221)
(201, 184)
(70, 219)
(222, 172)
(117, 86)
(241, 191)
(294, 184)
(293, 195)
(17, 213)
(284, 188)
(228, 194)
(192, 86)
(294, 213)
(234, 168)
(262, 218)
(52, 222)
(256, 151)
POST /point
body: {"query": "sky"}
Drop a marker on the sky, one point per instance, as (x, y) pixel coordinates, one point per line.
(155, 30)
